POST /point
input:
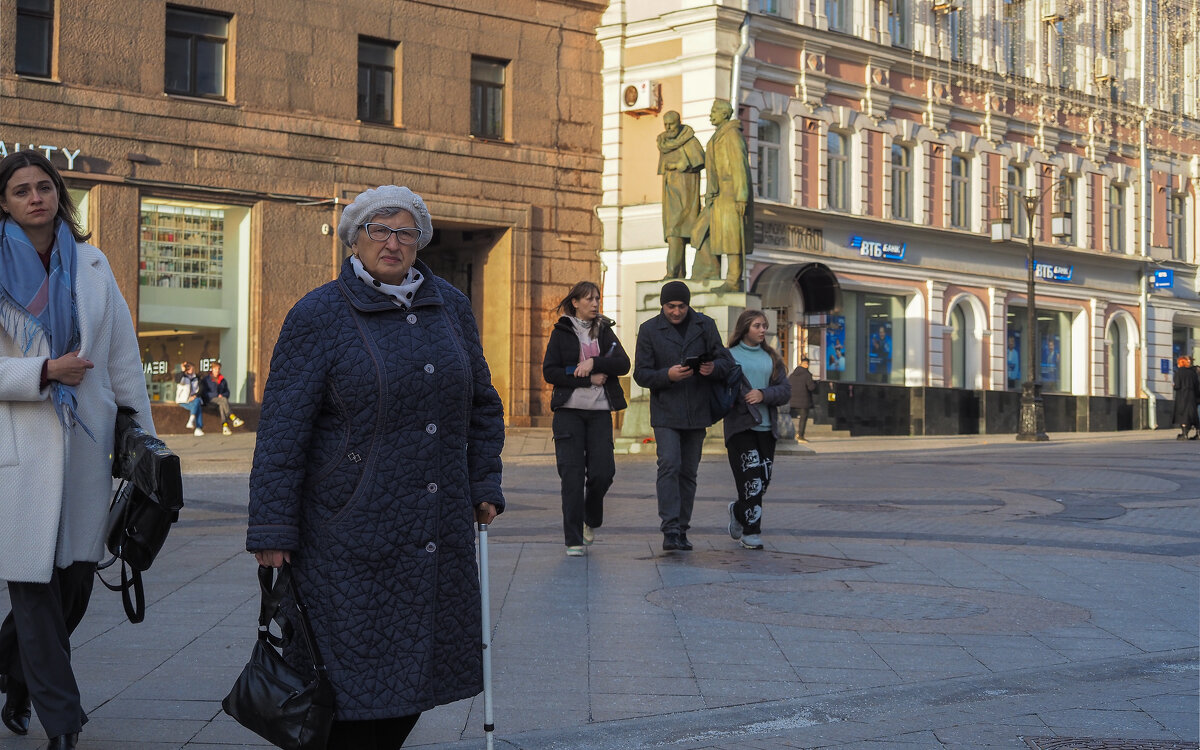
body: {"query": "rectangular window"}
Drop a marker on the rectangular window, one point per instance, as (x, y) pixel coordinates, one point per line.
(770, 7)
(838, 14)
(866, 344)
(958, 34)
(1016, 200)
(1176, 226)
(768, 159)
(376, 80)
(1052, 349)
(960, 192)
(837, 171)
(195, 53)
(1065, 52)
(902, 184)
(1068, 204)
(487, 98)
(899, 23)
(1116, 218)
(1014, 39)
(35, 37)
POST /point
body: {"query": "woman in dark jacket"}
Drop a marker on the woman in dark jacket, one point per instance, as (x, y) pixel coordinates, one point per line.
(750, 426)
(365, 480)
(1187, 390)
(583, 361)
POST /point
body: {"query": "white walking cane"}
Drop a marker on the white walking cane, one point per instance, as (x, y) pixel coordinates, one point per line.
(488, 726)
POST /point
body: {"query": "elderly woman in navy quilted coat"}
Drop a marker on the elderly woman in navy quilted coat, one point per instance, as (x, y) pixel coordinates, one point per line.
(365, 480)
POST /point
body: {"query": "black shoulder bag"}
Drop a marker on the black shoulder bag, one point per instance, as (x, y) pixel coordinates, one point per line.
(145, 505)
(291, 710)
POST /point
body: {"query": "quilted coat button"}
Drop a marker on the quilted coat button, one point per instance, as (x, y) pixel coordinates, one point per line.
(412, 318)
(429, 369)
(431, 547)
(432, 486)
(431, 428)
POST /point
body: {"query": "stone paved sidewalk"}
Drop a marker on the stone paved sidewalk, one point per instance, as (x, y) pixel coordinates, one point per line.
(915, 593)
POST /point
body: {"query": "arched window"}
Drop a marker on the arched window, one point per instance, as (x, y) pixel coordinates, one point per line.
(1114, 360)
(958, 347)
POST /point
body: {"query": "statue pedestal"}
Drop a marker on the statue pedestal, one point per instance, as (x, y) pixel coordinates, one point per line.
(724, 308)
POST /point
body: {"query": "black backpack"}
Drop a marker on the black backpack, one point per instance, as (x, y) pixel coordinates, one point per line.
(724, 393)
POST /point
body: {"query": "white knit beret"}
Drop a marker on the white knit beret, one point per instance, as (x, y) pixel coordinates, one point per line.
(370, 203)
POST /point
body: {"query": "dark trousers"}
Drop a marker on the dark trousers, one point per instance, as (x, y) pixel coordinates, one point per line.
(35, 643)
(583, 447)
(801, 416)
(751, 454)
(678, 460)
(221, 404)
(375, 734)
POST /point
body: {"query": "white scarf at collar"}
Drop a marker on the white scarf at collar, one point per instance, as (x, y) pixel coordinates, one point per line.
(401, 294)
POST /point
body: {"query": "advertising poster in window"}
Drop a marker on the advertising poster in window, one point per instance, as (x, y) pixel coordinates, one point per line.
(835, 347)
(1051, 354)
(879, 352)
(1012, 360)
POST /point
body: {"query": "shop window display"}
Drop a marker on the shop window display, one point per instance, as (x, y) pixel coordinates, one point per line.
(866, 344)
(1053, 348)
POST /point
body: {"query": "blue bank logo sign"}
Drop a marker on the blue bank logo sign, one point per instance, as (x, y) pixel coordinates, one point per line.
(879, 250)
(1164, 278)
(1051, 272)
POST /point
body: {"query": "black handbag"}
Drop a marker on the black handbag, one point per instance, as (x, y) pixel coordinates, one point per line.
(143, 508)
(291, 710)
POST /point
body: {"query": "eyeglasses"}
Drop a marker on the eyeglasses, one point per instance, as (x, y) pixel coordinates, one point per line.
(381, 232)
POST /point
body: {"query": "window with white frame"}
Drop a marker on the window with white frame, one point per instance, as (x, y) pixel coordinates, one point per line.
(958, 33)
(770, 7)
(1064, 52)
(837, 170)
(769, 141)
(900, 23)
(1013, 37)
(837, 12)
(1116, 217)
(960, 191)
(1068, 204)
(1016, 200)
(1177, 224)
(902, 182)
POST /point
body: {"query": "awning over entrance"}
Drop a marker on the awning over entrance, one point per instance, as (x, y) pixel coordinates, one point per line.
(817, 285)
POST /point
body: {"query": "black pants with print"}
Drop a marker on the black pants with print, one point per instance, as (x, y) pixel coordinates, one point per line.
(583, 445)
(751, 454)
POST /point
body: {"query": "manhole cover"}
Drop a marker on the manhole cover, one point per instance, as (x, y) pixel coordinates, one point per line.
(762, 562)
(1092, 743)
(868, 605)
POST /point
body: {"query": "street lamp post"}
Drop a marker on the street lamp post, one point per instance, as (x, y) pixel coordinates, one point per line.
(1031, 425)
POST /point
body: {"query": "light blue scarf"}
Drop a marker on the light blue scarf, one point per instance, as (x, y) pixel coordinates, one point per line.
(43, 303)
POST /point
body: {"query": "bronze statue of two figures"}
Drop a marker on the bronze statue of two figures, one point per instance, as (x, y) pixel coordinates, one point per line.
(723, 225)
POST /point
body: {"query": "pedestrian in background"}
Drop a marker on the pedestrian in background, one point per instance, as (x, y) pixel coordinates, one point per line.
(750, 425)
(678, 358)
(187, 395)
(803, 386)
(1187, 393)
(583, 361)
(68, 358)
(378, 451)
(214, 391)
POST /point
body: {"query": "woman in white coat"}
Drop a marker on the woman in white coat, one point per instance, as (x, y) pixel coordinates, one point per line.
(68, 357)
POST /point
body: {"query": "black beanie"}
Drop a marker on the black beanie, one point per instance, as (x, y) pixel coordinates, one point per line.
(675, 291)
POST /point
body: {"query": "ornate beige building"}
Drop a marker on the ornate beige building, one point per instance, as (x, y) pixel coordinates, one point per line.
(212, 144)
(886, 139)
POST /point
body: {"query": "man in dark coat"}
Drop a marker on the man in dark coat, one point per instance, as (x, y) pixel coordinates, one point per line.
(803, 386)
(679, 400)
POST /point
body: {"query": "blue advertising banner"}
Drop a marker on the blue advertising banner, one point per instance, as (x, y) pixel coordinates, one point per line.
(835, 345)
(1012, 360)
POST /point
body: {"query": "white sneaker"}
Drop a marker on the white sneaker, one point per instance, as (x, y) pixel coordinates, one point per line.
(237, 421)
(751, 541)
(574, 551)
(225, 430)
(199, 432)
(191, 422)
(589, 535)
